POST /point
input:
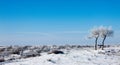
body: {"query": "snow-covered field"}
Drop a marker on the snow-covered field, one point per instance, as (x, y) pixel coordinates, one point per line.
(77, 56)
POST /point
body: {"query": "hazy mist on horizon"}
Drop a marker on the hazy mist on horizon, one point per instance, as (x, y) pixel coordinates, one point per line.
(34, 22)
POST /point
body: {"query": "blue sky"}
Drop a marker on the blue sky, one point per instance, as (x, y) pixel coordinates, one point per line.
(56, 21)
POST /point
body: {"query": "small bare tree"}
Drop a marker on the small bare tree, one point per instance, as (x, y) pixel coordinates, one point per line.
(102, 32)
(95, 34)
(105, 32)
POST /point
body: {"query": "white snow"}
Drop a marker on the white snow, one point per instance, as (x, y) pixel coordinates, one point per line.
(85, 56)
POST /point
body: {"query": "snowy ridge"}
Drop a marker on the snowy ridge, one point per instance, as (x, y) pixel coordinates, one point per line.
(76, 56)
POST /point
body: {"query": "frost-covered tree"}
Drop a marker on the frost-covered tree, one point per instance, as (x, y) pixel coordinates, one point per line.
(102, 32)
(95, 34)
(105, 32)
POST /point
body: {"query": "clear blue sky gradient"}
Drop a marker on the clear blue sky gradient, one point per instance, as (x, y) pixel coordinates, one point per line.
(56, 21)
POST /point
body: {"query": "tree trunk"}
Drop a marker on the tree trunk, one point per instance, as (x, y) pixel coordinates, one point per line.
(103, 42)
(96, 43)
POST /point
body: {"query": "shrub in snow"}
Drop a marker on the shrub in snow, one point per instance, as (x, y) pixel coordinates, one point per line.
(38, 50)
(56, 52)
(9, 50)
(101, 52)
(2, 49)
(12, 57)
(110, 52)
(16, 50)
(45, 49)
(51, 60)
(5, 53)
(29, 53)
(2, 59)
(54, 47)
(61, 47)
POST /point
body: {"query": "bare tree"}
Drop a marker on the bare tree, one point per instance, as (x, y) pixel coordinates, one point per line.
(95, 34)
(105, 32)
